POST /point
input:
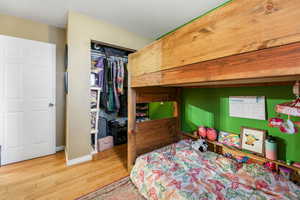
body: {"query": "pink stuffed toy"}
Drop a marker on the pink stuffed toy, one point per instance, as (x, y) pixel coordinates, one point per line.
(212, 134)
(202, 131)
(275, 122)
(288, 127)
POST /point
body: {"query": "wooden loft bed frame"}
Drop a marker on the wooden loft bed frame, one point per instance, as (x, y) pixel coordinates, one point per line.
(146, 136)
(246, 42)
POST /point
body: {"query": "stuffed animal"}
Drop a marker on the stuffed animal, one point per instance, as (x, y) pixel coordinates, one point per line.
(200, 145)
(288, 127)
(275, 122)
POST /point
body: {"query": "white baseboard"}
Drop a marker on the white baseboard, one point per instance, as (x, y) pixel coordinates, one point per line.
(60, 148)
(79, 160)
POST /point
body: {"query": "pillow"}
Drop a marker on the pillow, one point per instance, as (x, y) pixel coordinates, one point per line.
(229, 139)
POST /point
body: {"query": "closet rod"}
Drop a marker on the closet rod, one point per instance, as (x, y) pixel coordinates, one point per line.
(113, 46)
(109, 57)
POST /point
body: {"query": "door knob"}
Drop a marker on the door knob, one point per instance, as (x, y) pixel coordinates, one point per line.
(51, 104)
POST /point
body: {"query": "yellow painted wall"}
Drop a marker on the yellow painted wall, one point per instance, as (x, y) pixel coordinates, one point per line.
(23, 28)
(81, 30)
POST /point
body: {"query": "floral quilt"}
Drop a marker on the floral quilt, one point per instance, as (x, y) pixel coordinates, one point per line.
(179, 172)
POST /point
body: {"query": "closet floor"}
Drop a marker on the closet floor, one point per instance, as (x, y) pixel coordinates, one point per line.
(49, 178)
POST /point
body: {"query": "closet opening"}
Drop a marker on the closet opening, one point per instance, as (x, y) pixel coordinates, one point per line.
(109, 91)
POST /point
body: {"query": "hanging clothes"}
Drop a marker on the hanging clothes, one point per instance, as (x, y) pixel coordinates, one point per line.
(123, 97)
(111, 81)
(104, 89)
(115, 74)
(120, 76)
(111, 70)
(110, 84)
(100, 65)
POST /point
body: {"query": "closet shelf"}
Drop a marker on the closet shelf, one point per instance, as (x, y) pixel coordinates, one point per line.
(95, 88)
(94, 131)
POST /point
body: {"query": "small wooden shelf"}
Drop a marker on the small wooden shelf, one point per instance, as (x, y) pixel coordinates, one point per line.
(142, 112)
(216, 148)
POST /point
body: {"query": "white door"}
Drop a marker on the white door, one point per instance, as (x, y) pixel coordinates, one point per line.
(27, 99)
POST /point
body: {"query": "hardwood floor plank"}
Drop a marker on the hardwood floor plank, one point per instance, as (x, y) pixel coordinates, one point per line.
(49, 177)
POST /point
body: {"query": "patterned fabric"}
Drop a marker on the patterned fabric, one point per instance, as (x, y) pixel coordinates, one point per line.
(229, 139)
(179, 172)
(120, 190)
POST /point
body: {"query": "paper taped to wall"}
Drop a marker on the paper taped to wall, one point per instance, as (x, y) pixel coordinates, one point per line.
(251, 107)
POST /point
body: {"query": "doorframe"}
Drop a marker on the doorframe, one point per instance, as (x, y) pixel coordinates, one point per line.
(53, 96)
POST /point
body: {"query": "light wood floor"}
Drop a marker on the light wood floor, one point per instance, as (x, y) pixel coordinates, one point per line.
(49, 178)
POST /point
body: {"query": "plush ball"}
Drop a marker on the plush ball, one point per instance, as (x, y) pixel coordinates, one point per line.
(202, 131)
(212, 134)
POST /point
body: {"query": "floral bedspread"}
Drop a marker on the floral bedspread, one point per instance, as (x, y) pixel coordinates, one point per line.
(179, 172)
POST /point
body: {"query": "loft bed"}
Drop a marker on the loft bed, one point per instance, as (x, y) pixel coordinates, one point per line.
(244, 43)
(249, 42)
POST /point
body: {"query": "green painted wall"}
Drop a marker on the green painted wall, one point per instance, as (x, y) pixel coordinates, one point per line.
(160, 110)
(210, 107)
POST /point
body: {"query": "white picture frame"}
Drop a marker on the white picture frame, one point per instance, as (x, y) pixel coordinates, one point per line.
(253, 140)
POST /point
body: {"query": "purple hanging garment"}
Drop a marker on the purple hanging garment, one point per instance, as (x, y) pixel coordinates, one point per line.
(100, 65)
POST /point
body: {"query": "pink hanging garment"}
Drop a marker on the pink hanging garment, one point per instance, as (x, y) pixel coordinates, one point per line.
(289, 108)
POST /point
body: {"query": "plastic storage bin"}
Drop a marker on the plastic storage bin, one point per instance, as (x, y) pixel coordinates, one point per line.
(105, 143)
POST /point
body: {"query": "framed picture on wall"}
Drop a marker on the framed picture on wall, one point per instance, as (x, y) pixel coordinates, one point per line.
(253, 140)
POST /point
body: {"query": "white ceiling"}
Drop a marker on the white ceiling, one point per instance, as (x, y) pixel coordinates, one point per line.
(149, 18)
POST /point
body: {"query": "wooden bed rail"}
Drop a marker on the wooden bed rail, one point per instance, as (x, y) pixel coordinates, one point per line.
(154, 134)
(149, 135)
(243, 42)
(156, 94)
(241, 26)
(275, 64)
